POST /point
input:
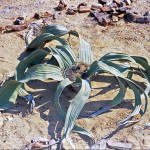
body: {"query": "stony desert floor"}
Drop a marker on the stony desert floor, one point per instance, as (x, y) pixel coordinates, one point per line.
(19, 127)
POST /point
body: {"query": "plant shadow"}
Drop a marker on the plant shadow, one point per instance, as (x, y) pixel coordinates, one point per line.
(44, 93)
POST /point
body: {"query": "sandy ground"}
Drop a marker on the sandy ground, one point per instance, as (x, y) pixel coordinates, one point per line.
(20, 127)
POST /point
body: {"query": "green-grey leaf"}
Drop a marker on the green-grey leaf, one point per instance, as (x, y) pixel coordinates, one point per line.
(55, 29)
(85, 49)
(116, 57)
(43, 38)
(61, 112)
(39, 54)
(76, 106)
(43, 72)
(8, 94)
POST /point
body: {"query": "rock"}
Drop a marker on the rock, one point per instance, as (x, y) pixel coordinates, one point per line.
(114, 11)
(84, 9)
(96, 7)
(119, 145)
(82, 4)
(37, 16)
(106, 9)
(122, 4)
(130, 17)
(46, 15)
(113, 5)
(103, 18)
(72, 11)
(145, 19)
(104, 1)
(114, 18)
(128, 2)
(55, 16)
(147, 13)
(62, 5)
(120, 16)
(122, 9)
(16, 27)
(17, 22)
(118, 1)
(21, 18)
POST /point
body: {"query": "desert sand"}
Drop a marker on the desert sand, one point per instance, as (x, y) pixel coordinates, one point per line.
(130, 38)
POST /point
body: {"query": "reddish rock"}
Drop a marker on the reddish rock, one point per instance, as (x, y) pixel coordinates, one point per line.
(47, 14)
(103, 18)
(62, 5)
(96, 7)
(84, 9)
(106, 9)
(82, 4)
(121, 16)
(16, 27)
(71, 11)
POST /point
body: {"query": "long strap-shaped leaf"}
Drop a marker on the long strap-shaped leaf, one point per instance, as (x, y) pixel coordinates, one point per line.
(117, 100)
(75, 107)
(56, 59)
(134, 87)
(85, 49)
(55, 29)
(39, 54)
(8, 94)
(61, 112)
(116, 57)
(111, 69)
(65, 58)
(43, 72)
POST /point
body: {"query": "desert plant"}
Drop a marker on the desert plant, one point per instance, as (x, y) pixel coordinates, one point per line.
(66, 67)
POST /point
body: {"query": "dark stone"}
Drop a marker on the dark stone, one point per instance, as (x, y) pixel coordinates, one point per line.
(145, 19)
(130, 17)
(17, 22)
(122, 9)
(37, 16)
(103, 1)
(122, 4)
(147, 13)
